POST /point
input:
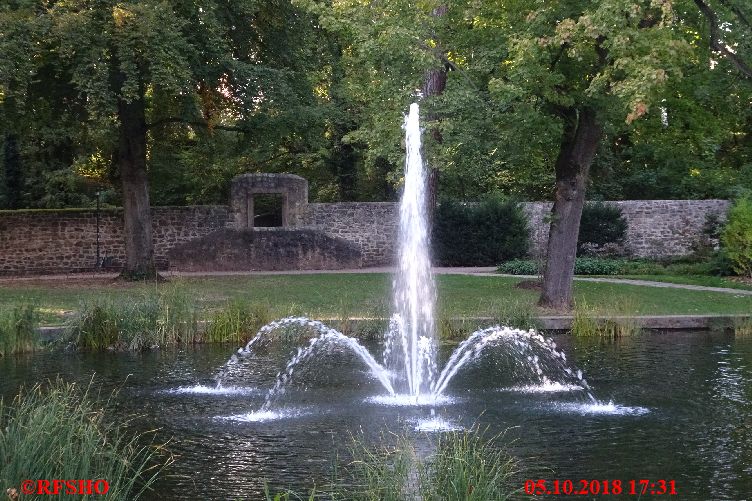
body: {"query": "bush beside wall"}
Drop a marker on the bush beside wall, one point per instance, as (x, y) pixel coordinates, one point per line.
(480, 234)
(737, 237)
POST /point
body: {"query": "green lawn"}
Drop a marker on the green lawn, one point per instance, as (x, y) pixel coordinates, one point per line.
(367, 294)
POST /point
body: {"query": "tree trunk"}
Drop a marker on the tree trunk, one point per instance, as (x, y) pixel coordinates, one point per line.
(434, 83)
(131, 162)
(582, 132)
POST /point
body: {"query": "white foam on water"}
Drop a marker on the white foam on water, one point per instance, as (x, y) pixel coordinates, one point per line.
(263, 416)
(601, 408)
(409, 400)
(544, 388)
(435, 424)
(200, 389)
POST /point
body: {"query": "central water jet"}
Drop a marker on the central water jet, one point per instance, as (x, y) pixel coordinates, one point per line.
(410, 340)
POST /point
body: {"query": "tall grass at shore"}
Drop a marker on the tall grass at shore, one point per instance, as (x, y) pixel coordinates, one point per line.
(156, 319)
(58, 431)
(743, 328)
(463, 466)
(18, 329)
(236, 323)
(612, 323)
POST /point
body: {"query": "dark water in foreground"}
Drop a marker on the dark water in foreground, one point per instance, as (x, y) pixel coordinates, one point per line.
(682, 411)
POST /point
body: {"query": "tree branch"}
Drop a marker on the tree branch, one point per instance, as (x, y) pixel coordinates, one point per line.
(717, 44)
(195, 123)
(736, 10)
(558, 55)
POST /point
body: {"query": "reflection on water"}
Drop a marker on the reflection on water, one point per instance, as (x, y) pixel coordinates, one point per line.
(681, 410)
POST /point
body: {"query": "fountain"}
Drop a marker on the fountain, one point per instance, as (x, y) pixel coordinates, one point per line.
(408, 370)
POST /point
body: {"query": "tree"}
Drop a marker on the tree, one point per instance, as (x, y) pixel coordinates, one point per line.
(582, 64)
(141, 65)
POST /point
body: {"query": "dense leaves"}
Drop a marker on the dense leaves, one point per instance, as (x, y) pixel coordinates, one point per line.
(318, 88)
(479, 234)
(737, 237)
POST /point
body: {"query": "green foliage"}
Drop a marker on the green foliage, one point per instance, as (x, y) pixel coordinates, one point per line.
(468, 466)
(481, 234)
(598, 266)
(716, 264)
(18, 328)
(609, 323)
(737, 236)
(582, 266)
(519, 267)
(155, 319)
(56, 431)
(236, 323)
(743, 328)
(464, 466)
(602, 229)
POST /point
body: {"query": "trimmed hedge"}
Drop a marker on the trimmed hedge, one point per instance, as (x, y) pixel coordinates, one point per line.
(479, 234)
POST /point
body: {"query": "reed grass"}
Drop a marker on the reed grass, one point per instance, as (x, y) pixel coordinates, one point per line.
(57, 431)
(464, 466)
(468, 466)
(18, 329)
(517, 315)
(586, 324)
(154, 319)
(743, 328)
(237, 322)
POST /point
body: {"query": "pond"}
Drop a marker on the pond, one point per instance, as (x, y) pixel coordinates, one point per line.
(672, 406)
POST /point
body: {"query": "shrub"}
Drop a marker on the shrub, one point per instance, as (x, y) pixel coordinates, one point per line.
(602, 230)
(18, 329)
(482, 234)
(59, 433)
(582, 266)
(737, 236)
(598, 266)
(519, 267)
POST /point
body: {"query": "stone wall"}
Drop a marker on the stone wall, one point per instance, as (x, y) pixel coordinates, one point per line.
(268, 249)
(372, 226)
(655, 228)
(41, 241)
(65, 240)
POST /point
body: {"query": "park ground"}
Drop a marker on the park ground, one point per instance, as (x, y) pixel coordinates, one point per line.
(463, 293)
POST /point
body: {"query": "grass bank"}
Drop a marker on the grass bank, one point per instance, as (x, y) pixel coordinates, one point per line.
(355, 295)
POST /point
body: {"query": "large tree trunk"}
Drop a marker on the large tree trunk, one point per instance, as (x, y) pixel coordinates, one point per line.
(582, 132)
(131, 162)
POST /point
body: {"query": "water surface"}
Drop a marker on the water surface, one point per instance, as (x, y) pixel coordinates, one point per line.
(671, 406)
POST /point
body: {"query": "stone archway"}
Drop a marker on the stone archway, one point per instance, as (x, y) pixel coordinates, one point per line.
(292, 189)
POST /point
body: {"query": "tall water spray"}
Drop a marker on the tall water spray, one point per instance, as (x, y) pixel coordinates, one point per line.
(410, 347)
(410, 340)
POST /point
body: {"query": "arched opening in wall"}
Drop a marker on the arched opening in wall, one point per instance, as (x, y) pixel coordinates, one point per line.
(268, 210)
